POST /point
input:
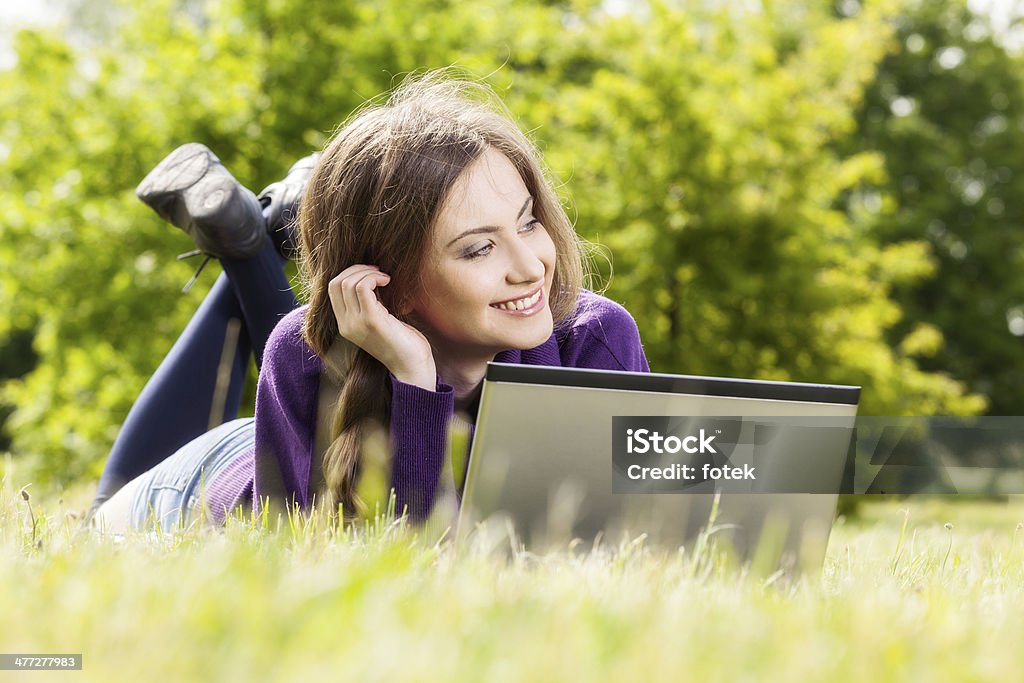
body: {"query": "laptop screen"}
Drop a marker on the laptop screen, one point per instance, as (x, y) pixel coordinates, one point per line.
(542, 465)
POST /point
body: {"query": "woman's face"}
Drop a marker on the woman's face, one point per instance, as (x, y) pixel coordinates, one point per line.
(487, 273)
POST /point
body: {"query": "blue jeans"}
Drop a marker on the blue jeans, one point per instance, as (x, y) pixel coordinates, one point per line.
(170, 495)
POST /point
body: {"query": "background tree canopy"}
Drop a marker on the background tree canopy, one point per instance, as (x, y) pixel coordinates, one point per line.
(789, 191)
(947, 112)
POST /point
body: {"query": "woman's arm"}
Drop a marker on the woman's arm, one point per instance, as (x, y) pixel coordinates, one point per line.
(421, 407)
(286, 416)
(286, 406)
(420, 424)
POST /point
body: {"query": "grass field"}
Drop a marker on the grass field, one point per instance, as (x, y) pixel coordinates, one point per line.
(901, 597)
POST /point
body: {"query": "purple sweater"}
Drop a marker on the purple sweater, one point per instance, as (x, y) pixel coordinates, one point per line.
(602, 335)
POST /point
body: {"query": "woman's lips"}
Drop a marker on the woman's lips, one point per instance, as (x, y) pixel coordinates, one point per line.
(527, 305)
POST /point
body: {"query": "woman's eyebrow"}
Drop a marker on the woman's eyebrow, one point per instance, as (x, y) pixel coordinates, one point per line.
(488, 229)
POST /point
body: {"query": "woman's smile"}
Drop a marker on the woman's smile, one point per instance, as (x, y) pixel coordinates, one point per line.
(525, 306)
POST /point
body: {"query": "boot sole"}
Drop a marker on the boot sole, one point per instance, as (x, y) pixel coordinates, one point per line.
(178, 171)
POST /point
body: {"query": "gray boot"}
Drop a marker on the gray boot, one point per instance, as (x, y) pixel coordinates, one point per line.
(192, 190)
(280, 201)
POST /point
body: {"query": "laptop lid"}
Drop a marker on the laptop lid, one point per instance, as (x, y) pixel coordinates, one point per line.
(541, 464)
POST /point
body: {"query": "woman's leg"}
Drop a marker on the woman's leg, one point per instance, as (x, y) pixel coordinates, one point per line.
(175, 405)
(174, 494)
(263, 293)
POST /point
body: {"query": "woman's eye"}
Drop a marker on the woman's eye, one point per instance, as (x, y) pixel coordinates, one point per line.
(476, 252)
(480, 252)
(531, 226)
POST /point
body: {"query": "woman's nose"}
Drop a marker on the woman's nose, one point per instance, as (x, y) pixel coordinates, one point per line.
(526, 265)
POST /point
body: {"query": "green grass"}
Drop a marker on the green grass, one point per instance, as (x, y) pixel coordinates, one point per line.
(921, 603)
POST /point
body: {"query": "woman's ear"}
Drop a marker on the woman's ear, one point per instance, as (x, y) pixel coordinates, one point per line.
(406, 303)
(404, 308)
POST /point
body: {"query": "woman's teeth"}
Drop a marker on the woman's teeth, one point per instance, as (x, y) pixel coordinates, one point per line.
(519, 304)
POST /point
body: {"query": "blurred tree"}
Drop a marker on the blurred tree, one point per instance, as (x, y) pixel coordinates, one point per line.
(85, 265)
(947, 113)
(699, 145)
(101, 100)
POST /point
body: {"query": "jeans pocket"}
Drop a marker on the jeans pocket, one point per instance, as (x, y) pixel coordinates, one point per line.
(166, 508)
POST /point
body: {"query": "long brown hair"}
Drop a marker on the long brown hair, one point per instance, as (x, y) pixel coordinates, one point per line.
(373, 198)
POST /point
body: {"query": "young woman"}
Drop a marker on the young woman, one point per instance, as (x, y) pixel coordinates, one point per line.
(430, 242)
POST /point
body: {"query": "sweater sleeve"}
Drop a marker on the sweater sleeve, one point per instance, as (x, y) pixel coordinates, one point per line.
(286, 404)
(420, 422)
(603, 336)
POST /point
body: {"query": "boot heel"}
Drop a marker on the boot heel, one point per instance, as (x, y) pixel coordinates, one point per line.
(217, 201)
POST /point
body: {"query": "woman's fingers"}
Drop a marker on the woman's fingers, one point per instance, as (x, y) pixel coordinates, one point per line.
(361, 317)
(366, 297)
(341, 289)
(367, 323)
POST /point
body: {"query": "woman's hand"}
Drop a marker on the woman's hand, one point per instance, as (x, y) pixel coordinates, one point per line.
(365, 322)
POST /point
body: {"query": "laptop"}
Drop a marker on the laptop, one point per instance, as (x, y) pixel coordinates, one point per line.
(559, 457)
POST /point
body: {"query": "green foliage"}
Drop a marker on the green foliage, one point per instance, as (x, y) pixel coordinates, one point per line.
(946, 111)
(700, 145)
